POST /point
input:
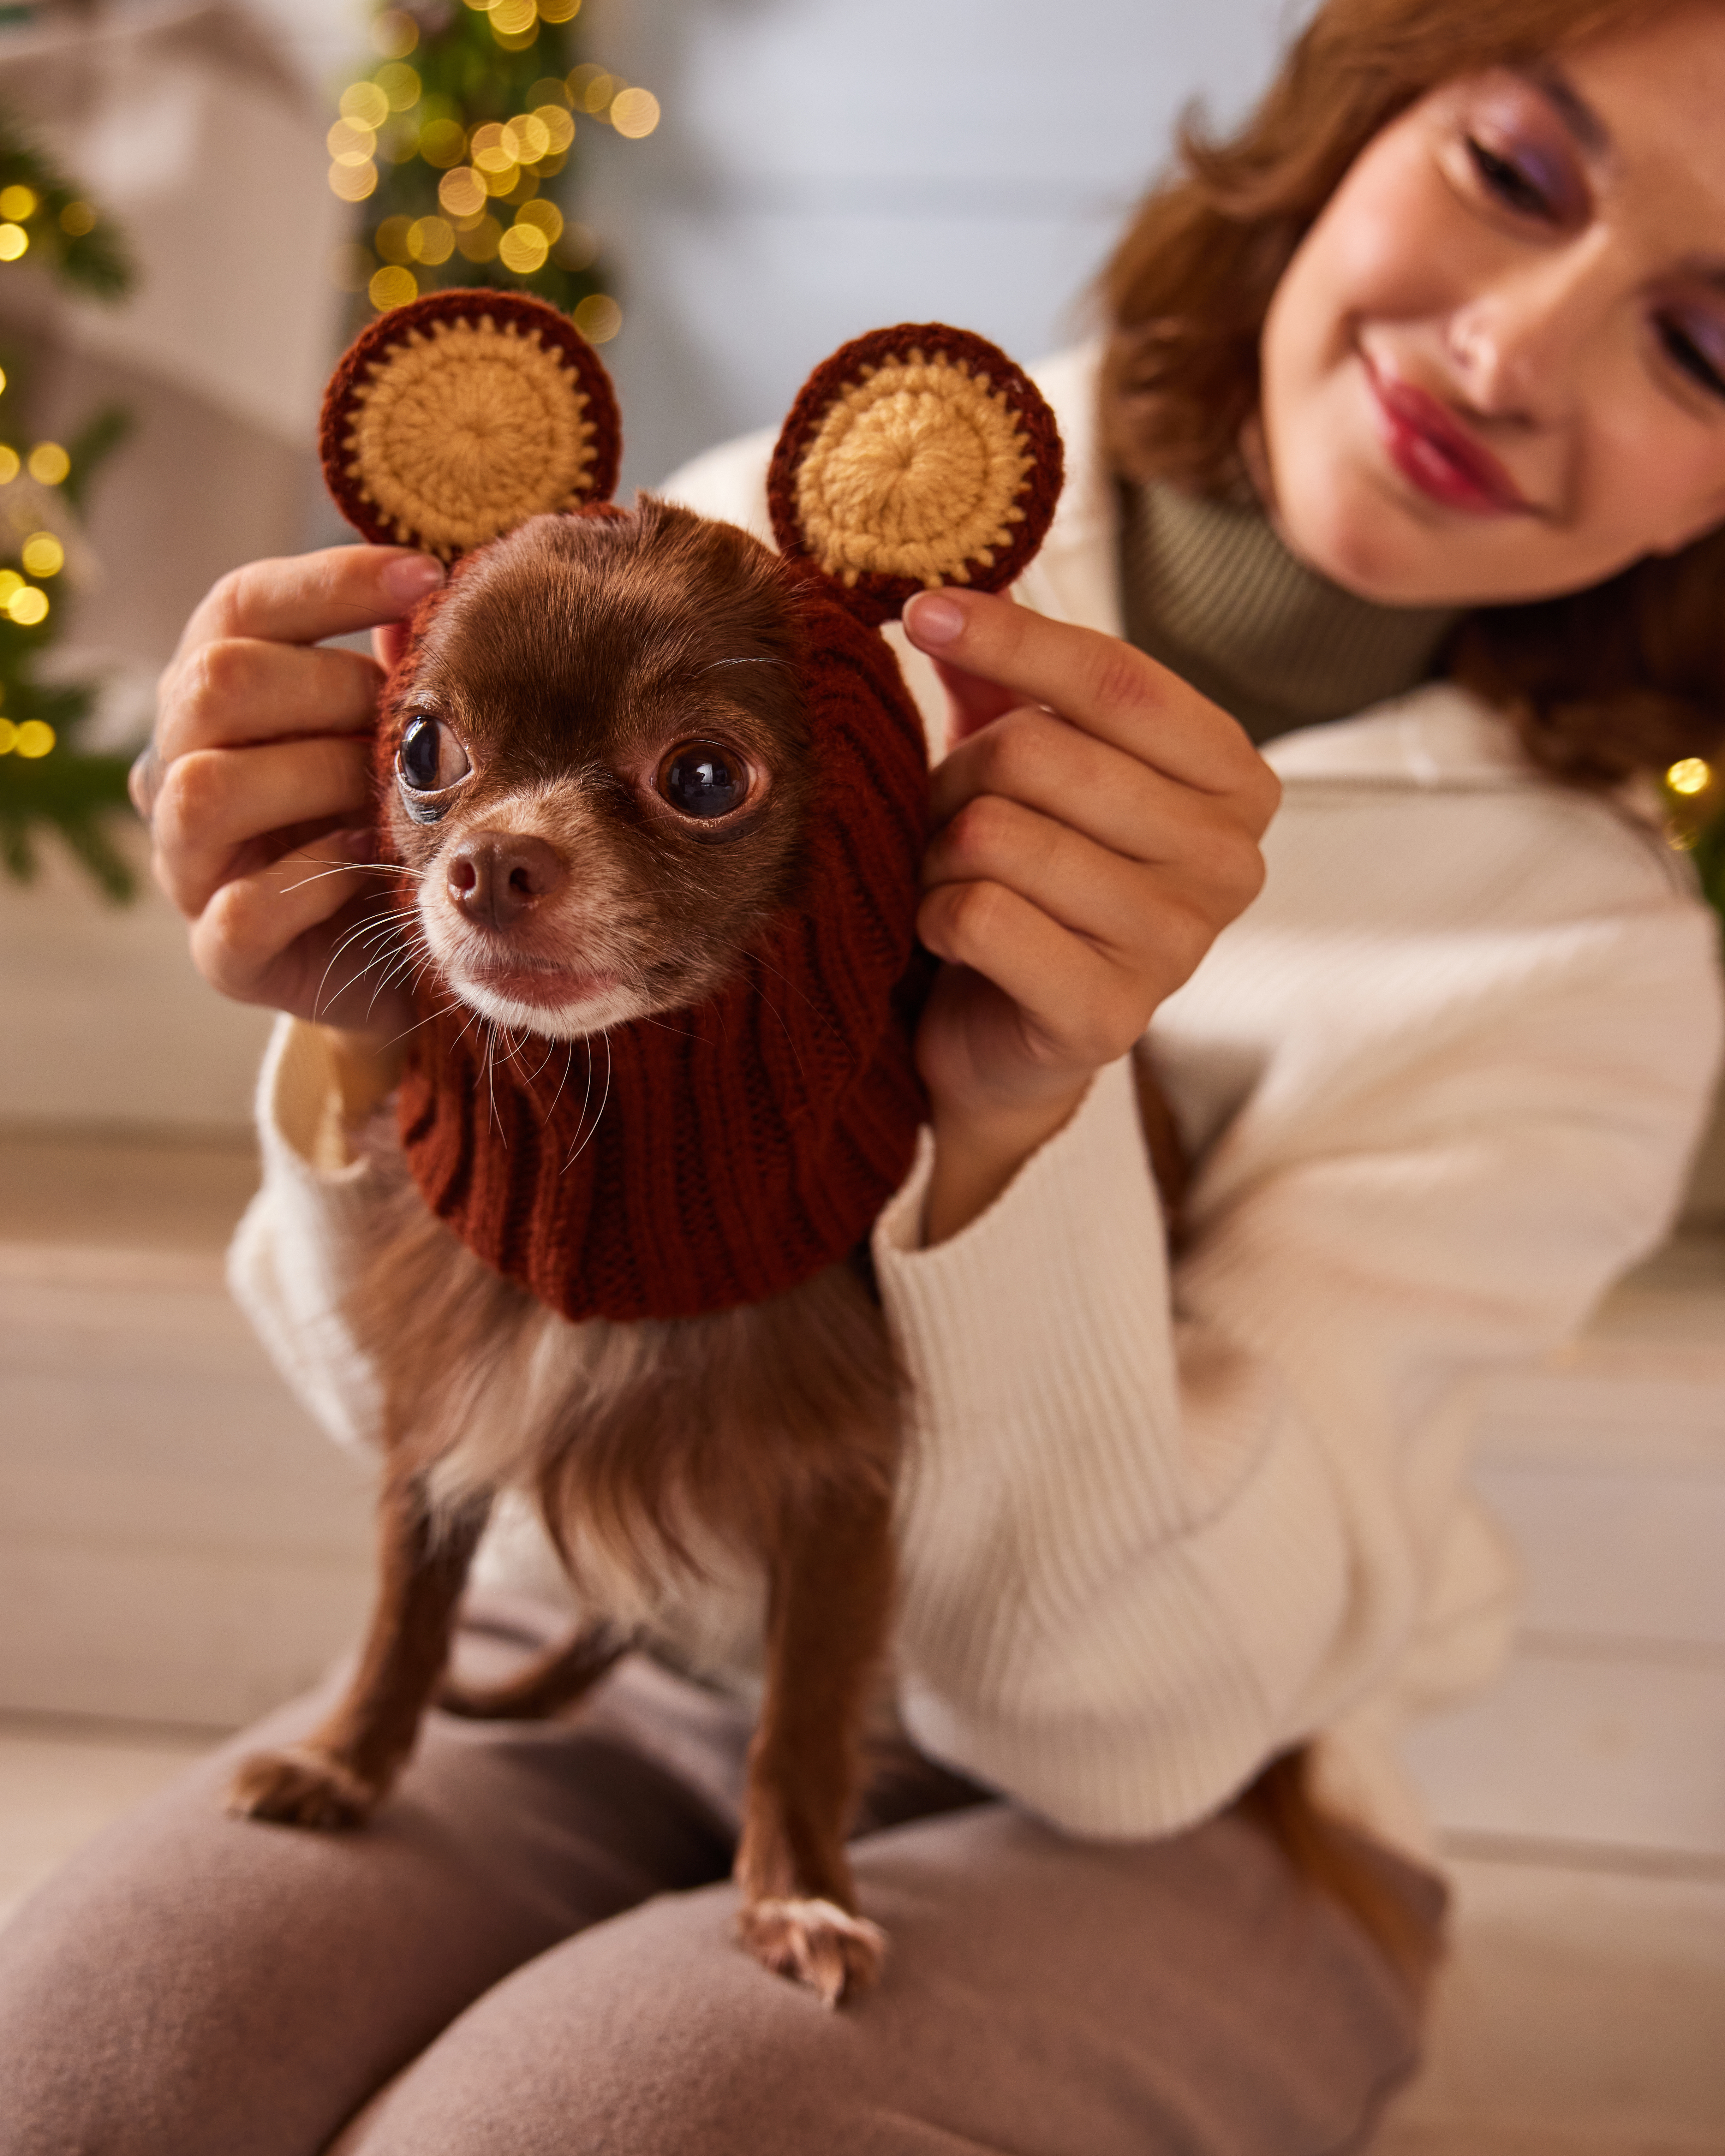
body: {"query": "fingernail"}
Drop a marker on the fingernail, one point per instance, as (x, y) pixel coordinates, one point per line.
(932, 619)
(409, 577)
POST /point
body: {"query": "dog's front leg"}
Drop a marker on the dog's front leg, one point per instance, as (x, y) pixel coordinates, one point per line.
(338, 1776)
(830, 1605)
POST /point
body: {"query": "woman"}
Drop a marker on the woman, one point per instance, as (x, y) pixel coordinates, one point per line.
(1425, 372)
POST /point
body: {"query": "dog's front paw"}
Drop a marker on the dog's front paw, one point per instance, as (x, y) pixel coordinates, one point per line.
(816, 1942)
(299, 1786)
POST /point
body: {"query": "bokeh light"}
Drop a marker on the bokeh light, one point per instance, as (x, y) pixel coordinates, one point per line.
(393, 287)
(14, 241)
(26, 607)
(8, 737)
(514, 18)
(49, 463)
(400, 83)
(488, 150)
(349, 144)
(9, 466)
(1691, 774)
(634, 113)
(527, 138)
(35, 736)
(591, 89)
(395, 33)
(559, 129)
(598, 318)
(545, 215)
(442, 142)
(10, 581)
(43, 555)
(431, 240)
(461, 191)
(76, 219)
(390, 238)
(17, 203)
(523, 249)
(365, 105)
(559, 10)
(353, 182)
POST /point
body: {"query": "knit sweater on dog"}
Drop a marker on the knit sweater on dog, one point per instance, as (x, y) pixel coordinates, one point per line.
(1161, 1520)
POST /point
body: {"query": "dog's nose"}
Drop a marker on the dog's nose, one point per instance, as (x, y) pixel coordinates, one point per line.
(494, 877)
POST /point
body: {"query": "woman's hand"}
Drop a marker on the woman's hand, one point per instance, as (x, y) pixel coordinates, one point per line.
(1094, 829)
(258, 790)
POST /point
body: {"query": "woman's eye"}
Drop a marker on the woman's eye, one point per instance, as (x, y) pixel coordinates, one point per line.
(703, 779)
(1685, 350)
(1503, 177)
(430, 758)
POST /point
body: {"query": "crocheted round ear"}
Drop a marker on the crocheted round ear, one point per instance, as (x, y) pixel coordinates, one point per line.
(461, 415)
(915, 457)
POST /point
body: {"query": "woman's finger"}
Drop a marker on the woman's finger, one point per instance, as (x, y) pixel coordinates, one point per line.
(238, 689)
(1033, 758)
(1098, 684)
(303, 598)
(214, 803)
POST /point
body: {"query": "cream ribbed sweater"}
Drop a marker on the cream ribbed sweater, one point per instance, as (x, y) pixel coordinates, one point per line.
(1445, 1077)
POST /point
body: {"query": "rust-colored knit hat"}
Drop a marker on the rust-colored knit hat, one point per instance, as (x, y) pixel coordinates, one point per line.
(669, 1170)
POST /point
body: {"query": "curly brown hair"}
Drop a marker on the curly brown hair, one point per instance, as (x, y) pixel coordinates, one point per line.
(1628, 676)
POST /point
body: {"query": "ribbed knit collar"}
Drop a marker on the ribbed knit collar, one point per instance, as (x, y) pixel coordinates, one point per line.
(1208, 588)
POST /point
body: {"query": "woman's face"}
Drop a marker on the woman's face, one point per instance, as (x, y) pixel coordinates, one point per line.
(1495, 369)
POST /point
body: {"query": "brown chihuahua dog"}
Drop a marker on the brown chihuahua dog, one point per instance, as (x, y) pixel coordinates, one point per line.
(606, 785)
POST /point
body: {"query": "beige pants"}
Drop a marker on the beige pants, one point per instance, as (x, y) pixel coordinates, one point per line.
(530, 1952)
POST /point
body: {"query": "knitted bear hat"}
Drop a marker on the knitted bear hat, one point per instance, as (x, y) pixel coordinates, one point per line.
(666, 1171)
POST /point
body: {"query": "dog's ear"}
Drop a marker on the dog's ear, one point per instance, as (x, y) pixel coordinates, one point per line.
(461, 415)
(915, 457)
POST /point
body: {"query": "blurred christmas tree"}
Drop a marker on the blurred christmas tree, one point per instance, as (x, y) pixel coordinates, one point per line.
(1695, 798)
(455, 146)
(45, 779)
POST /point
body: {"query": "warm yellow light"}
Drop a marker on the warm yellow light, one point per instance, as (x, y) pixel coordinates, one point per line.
(558, 11)
(8, 737)
(545, 215)
(35, 736)
(2, 380)
(590, 89)
(491, 151)
(634, 113)
(598, 318)
(481, 241)
(1692, 775)
(514, 18)
(365, 105)
(559, 129)
(17, 203)
(393, 287)
(527, 138)
(430, 240)
(577, 247)
(8, 465)
(10, 581)
(26, 607)
(49, 463)
(14, 241)
(390, 238)
(76, 219)
(395, 33)
(353, 182)
(461, 191)
(400, 85)
(43, 555)
(523, 249)
(442, 142)
(349, 145)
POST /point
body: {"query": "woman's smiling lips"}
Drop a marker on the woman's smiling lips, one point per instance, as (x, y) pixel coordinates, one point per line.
(1433, 452)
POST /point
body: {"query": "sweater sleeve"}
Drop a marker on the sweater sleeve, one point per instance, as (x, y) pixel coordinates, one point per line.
(1156, 1529)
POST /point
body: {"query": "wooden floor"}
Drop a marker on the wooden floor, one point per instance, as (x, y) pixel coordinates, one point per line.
(178, 1547)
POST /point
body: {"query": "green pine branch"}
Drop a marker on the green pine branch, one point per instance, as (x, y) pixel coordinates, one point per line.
(81, 247)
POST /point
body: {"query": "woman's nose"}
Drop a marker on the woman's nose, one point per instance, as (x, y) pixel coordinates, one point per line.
(1521, 347)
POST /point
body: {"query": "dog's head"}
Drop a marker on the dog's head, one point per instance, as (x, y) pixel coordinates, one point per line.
(599, 754)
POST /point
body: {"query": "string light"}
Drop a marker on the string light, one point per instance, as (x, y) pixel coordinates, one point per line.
(27, 607)
(349, 144)
(17, 203)
(523, 249)
(1690, 775)
(353, 182)
(634, 113)
(34, 738)
(598, 318)
(43, 555)
(545, 215)
(400, 85)
(514, 18)
(558, 11)
(559, 129)
(393, 287)
(365, 105)
(8, 737)
(9, 466)
(10, 581)
(525, 138)
(14, 241)
(49, 463)
(431, 240)
(2, 380)
(461, 191)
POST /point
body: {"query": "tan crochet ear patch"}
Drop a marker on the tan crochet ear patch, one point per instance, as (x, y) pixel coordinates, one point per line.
(915, 457)
(461, 415)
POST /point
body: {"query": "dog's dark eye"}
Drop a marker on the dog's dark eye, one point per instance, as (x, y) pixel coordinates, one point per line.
(430, 758)
(702, 779)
